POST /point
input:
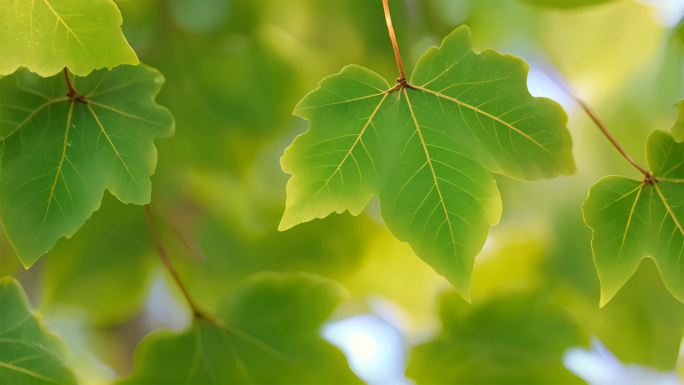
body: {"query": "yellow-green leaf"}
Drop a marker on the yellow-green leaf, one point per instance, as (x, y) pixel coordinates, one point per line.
(47, 35)
(633, 219)
(29, 353)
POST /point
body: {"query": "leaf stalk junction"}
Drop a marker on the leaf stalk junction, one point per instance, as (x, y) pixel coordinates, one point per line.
(72, 94)
(649, 178)
(401, 80)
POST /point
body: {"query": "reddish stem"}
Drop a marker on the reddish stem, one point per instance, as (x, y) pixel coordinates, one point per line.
(560, 81)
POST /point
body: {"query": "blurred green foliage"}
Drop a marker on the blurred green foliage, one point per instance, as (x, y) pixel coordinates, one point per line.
(26, 342)
(266, 333)
(235, 71)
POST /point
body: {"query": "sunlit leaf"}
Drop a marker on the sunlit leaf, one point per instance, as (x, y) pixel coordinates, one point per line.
(428, 152)
(58, 156)
(47, 35)
(29, 353)
(267, 333)
(514, 339)
(633, 219)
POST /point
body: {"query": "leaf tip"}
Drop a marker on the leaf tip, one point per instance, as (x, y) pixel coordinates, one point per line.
(605, 298)
(464, 291)
(285, 224)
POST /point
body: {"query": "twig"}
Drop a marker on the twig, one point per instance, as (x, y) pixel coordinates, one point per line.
(72, 94)
(72, 91)
(648, 177)
(402, 76)
(169, 267)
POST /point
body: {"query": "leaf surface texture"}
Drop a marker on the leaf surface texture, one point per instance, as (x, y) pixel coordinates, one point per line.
(57, 156)
(429, 152)
(47, 35)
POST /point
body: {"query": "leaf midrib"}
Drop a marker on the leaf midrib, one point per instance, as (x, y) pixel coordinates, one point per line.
(434, 176)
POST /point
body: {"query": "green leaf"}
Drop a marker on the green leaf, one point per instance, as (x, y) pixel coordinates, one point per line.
(57, 156)
(29, 353)
(514, 339)
(47, 35)
(429, 152)
(267, 332)
(565, 4)
(632, 219)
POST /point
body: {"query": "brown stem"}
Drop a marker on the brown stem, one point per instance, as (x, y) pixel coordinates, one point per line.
(599, 123)
(560, 81)
(402, 78)
(169, 267)
(72, 93)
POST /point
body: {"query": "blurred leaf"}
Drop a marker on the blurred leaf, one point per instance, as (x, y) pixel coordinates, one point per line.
(565, 4)
(514, 339)
(642, 324)
(239, 236)
(46, 36)
(58, 156)
(105, 268)
(433, 171)
(267, 333)
(200, 16)
(29, 353)
(332, 250)
(632, 219)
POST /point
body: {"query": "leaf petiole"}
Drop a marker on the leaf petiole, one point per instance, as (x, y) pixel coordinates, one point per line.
(402, 76)
(72, 94)
(165, 260)
(594, 116)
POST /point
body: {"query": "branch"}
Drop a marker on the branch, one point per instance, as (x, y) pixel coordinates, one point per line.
(169, 267)
(402, 78)
(560, 82)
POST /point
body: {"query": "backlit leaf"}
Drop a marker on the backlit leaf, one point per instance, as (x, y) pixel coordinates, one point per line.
(47, 35)
(267, 333)
(29, 353)
(632, 219)
(428, 152)
(57, 156)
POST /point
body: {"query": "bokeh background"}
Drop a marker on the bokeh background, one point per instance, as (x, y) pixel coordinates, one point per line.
(235, 69)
